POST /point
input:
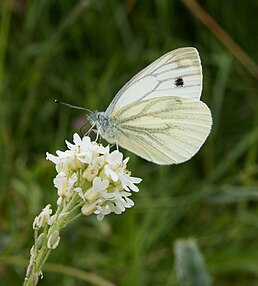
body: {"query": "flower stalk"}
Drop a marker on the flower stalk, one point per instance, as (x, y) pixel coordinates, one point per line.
(90, 180)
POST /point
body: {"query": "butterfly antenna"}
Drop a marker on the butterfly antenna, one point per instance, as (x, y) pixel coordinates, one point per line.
(72, 106)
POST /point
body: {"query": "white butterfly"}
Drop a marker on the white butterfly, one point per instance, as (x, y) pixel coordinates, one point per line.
(158, 114)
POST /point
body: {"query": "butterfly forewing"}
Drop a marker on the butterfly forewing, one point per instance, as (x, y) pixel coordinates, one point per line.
(167, 130)
(177, 73)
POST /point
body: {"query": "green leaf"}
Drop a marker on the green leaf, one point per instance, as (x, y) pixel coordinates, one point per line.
(190, 265)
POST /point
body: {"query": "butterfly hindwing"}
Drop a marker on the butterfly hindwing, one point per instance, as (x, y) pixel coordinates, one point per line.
(167, 130)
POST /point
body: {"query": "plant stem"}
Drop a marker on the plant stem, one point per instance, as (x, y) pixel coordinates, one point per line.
(42, 249)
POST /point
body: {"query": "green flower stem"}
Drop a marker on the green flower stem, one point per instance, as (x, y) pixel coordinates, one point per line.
(64, 215)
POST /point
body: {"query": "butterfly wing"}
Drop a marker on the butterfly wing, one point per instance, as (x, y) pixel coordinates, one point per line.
(165, 131)
(177, 73)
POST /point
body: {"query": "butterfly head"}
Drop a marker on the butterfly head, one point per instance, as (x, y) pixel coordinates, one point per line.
(105, 127)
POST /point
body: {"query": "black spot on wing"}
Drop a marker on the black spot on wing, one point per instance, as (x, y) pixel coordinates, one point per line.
(179, 82)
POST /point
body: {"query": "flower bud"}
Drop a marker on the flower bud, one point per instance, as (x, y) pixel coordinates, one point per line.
(53, 240)
(88, 209)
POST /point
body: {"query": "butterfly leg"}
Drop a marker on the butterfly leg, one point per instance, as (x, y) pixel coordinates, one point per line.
(94, 130)
(81, 130)
(97, 136)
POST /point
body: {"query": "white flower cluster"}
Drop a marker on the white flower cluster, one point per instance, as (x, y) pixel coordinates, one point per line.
(99, 178)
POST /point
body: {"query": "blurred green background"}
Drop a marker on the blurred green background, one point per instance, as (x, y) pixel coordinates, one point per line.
(82, 52)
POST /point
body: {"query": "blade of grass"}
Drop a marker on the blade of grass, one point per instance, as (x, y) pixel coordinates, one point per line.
(58, 268)
(4, 35)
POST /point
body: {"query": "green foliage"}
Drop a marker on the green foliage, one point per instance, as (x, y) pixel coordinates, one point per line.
(190, 265)
(82, 52)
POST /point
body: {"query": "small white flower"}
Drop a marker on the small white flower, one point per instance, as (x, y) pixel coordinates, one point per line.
(42, 219)
(60, 182)
(102, 211)
(62, 160)
(65, 184)
(90, 173)
(97, 186)
(129, 182)
(77, 142)
(114, 159)
(85, 154)
(77, 139)
(52, 158)
(98, 162)
(85, 157)
(100, 185)
(110, 173)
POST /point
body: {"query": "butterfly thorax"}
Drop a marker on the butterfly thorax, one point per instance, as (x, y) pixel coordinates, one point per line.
(106, 129)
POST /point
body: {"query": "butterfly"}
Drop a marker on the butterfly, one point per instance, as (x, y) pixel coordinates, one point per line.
(158, 114)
